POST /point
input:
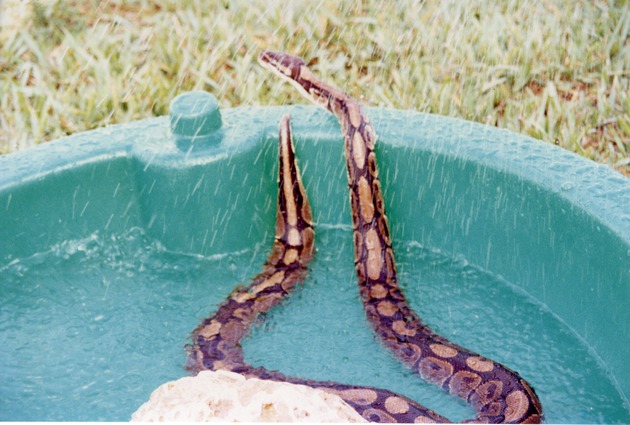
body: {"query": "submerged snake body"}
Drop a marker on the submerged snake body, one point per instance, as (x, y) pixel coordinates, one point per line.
(497, 393)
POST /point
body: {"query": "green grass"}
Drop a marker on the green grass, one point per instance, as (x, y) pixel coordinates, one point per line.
(557, 70)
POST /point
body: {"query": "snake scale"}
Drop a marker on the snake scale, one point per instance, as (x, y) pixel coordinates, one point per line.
(498, 394)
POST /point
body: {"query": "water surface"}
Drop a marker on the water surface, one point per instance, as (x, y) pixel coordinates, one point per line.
(89, 328)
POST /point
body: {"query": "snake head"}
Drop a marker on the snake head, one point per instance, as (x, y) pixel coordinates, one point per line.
(281, 63)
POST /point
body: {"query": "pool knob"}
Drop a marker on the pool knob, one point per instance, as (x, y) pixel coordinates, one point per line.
(194, 117)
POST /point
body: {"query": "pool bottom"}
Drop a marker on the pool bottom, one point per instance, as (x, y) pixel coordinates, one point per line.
(104, 320)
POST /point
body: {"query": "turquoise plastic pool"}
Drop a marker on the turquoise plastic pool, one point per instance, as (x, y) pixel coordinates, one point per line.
(115, 242)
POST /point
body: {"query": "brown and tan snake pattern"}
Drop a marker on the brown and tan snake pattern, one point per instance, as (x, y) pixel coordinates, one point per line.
(498, 394)
(216, 342)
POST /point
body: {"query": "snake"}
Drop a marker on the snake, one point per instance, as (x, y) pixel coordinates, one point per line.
(497, 393)
(216, 341)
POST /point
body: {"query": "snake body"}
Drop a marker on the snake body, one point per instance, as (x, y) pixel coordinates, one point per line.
(216, 341)
(498, 394)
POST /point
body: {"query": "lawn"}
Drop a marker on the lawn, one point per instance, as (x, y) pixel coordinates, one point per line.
(557, 70)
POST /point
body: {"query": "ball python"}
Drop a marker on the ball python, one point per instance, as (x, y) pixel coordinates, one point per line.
(216, 341)
(498, 394)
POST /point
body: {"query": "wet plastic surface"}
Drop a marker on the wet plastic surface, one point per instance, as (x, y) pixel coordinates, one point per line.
(555, 225)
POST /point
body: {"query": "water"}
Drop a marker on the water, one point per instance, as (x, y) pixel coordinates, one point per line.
(90, 327)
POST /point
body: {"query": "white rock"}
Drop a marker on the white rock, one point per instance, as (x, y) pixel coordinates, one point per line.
(229, 397)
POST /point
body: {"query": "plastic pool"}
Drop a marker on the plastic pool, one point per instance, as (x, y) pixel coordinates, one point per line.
(115, 242)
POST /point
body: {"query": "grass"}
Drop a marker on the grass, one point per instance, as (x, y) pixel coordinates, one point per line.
(557, 70)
